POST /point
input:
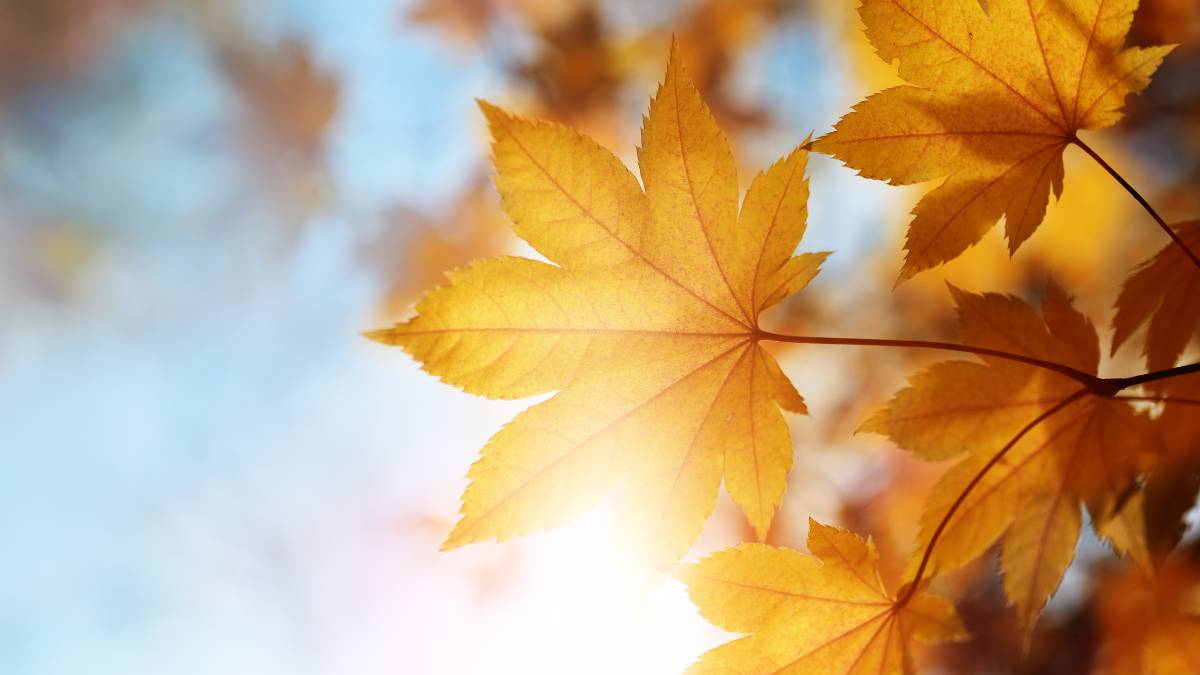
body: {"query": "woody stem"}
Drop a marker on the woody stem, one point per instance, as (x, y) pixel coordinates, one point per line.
(1091, 381)
(1126, 382)
(1092, 385)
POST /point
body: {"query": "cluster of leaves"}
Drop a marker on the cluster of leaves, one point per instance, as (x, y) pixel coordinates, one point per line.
(645, 321)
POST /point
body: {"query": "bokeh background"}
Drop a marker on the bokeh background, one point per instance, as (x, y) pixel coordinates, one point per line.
(204, 468)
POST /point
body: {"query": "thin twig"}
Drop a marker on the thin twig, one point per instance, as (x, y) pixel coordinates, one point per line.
(1108, 387)
(912, 588)
(1127, 382)
(1158, 399)
(1141, 200)
(1088, 379)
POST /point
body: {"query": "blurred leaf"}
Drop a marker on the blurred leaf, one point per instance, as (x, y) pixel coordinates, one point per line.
(49, 39)
(415, 250)
(1162, 292)
(292, 100)
(1149, 620)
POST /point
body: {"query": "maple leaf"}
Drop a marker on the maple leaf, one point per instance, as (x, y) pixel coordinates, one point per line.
(995, 97)
(1085, 446)
(1162, 291)
(828, 614)
(646, 323)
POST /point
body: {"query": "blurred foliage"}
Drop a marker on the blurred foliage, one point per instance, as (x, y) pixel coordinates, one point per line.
(49, 40)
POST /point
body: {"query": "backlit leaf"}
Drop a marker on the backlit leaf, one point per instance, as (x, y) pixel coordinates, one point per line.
(827, 613)
(994, 98)
(1030, 499)
(1162, 293)
(645, 320)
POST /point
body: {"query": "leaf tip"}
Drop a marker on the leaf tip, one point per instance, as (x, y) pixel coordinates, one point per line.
(873, 424)
(960, 296)
(819, 144)
(762, 526)
(815, 527)
(682, 572)
(456, 539)
(675, 67)
(497, 118)
(386, 336)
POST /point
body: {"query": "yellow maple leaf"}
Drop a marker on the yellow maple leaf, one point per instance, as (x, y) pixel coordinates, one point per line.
(828, 615)
(647, 323)
(1162, 291)
(995, 97)
(1086, 446)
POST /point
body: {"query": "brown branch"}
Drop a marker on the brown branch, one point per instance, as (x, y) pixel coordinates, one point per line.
(1093, 382)
(1101, 386)
(1158, 399)
(1126, 382)
(1098, 386)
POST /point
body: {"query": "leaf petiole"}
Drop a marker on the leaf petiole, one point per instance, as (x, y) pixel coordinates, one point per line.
(1140, 199)
(1091, 381)
(912, 587)
(1127, 382)
(1101, 386)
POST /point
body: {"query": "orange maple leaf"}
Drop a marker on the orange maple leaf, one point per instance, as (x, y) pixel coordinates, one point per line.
(1150, 620)
(1026, 491)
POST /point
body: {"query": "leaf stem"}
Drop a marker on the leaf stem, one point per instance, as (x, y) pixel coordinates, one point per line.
(912, 587)
(1091, 381)
(1159, 399)
(1140, 199)
(1126, 382)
